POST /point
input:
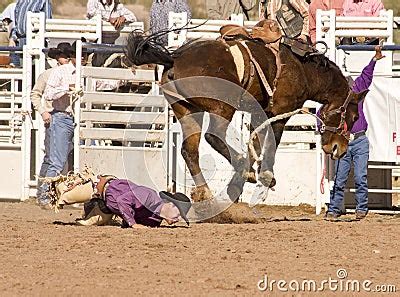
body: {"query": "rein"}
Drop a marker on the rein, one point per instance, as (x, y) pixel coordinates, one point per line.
(268, 122)
(341, 129)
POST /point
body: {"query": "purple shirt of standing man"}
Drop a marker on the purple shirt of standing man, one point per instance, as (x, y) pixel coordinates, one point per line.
(362, 83)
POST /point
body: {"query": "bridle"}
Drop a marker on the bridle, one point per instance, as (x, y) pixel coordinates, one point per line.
(342, 128)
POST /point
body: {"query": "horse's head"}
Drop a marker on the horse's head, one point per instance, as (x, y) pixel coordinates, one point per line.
(338, 119)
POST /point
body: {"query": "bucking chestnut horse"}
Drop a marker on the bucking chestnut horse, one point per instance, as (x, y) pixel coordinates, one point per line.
(193, 72)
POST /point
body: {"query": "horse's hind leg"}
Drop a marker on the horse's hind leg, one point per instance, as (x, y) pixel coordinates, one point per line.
(216, 137)
(191, 121)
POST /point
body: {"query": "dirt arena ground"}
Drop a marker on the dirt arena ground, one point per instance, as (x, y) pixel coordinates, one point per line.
(45, 254)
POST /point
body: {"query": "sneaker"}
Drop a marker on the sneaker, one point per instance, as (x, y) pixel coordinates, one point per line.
(331, 216)
(360, 214)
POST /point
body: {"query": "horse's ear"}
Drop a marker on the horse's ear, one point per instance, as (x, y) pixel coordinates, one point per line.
(357, 97)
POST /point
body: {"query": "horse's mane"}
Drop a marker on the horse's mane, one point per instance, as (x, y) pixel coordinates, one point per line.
(320, 60)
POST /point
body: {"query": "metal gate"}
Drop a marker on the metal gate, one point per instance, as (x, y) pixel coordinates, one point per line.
(124, 134)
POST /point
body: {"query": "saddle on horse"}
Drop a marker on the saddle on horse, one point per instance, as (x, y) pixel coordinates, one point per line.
(269, 32)
(235, 38)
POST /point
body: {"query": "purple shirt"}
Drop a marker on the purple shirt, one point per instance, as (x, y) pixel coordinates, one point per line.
(133, 203)
(362, 83)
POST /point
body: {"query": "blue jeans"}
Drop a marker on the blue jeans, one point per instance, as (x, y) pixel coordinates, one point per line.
(59, 134)
(358, 153)
(17, 57)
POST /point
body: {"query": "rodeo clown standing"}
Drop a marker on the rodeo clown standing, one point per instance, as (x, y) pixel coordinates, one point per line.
(357, 152)
(138, 206)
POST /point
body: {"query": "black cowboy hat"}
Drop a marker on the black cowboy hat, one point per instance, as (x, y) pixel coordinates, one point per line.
(180, 200)
(84, 49)
(62, 49)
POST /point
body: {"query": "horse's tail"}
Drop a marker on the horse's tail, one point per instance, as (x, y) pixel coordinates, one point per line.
(143, 49)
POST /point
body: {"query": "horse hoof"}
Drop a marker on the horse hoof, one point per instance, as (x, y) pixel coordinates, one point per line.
(273, 182)
(266, 178)
(201, 194)
(250, 177)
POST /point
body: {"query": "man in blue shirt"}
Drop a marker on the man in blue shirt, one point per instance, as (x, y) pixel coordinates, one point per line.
(21, 11)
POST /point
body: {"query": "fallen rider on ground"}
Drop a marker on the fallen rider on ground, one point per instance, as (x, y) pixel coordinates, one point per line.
(138, 206)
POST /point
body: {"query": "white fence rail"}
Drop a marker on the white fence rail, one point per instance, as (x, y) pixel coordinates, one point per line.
(39, 29)
(332, 29)
(124, 134)
(11, 129)
(22, 134)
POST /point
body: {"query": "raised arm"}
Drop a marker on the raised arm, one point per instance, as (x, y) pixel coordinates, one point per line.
(363, 82)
